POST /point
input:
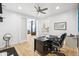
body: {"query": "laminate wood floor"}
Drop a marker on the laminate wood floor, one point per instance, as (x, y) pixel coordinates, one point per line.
(27, 48)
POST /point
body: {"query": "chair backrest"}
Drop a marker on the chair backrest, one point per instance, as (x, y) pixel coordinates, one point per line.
(63, 36)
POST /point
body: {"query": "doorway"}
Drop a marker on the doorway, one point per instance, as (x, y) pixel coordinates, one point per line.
(31, 32)
(31, 26)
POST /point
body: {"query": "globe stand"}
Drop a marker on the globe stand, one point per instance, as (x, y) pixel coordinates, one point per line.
(7, 43)
(6, 38)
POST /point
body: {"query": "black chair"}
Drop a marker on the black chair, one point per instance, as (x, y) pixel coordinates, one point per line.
(58, 43)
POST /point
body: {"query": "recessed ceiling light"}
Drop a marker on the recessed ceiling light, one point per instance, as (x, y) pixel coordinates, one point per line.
(57, 7)
(19, 7)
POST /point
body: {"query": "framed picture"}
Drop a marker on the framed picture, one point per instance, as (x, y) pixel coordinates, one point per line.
(60, 26)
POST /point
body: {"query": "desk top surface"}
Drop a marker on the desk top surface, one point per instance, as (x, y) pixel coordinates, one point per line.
(43, 38)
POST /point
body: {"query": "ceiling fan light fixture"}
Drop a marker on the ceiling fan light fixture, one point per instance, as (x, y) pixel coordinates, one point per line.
(40, 10)
(57, 7)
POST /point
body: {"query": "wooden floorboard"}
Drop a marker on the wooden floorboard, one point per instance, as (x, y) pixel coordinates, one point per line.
(27, 48)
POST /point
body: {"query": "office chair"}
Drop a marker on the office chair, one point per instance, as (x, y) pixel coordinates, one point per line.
(56, 45)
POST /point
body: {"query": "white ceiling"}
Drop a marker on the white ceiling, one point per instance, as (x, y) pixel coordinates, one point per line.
(28, 8)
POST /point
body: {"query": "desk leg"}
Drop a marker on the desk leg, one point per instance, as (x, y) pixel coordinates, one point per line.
(34, 45)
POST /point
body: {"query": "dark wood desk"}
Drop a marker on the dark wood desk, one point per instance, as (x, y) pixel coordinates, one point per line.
(41, 46)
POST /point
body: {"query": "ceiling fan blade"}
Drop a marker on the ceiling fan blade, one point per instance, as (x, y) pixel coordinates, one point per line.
(39, 8)
(44, 9)
(36, 8)
(42, 12)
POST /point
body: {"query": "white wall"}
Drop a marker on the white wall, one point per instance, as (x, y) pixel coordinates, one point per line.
(12, 23)
(70, 17)
(23, 29)
(40, 29)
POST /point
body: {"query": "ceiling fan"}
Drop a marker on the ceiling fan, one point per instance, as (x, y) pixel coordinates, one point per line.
(40, 10)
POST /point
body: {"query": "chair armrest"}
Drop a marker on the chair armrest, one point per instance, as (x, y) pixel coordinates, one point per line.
(56, 43)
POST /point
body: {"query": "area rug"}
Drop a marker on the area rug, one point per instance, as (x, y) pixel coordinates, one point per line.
(8, 52)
